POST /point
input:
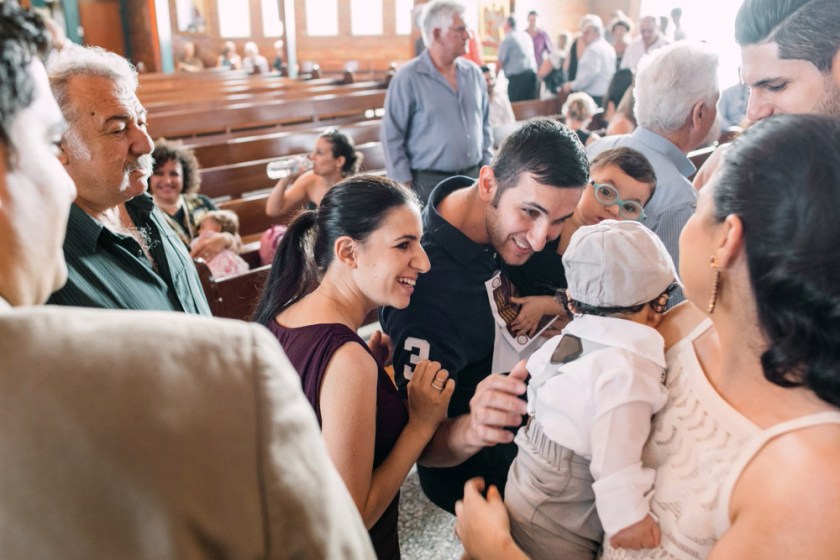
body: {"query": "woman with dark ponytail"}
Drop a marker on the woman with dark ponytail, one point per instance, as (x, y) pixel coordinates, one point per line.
(359, 250)
(333, 158)
(747, 451)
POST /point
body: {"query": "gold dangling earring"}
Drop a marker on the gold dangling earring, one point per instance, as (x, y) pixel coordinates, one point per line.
(715, 285)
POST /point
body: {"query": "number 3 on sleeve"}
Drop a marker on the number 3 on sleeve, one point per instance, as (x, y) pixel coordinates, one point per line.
(418, 350)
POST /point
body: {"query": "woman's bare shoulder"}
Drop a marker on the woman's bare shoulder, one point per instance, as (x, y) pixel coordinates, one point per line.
(786, 503)
(679, 321)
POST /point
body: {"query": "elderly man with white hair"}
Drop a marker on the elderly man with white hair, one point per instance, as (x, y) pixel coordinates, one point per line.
(436, 111)
(120, 252)
(676, 95)
(597, 65)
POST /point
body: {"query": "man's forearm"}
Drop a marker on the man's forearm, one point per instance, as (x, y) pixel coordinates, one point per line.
(451, 444)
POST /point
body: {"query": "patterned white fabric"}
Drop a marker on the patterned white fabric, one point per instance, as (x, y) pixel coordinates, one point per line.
(696, 439)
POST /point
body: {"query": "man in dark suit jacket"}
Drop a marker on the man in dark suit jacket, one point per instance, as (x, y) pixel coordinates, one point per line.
(137, 434)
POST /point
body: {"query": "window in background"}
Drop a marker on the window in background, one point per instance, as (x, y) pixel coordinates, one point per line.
(322, 18)
(272, 26)
(713, 23)
(402, 10)
(234, 18)
(366, 17)
(191, 15)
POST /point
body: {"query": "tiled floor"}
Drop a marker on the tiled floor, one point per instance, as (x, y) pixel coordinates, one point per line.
(426, 531)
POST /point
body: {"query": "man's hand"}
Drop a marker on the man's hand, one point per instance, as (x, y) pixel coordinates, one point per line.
(483, 525)
(495, 406)
(382, 347)
(644, 534)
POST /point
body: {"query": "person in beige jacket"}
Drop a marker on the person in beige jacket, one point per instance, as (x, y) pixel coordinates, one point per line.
(137, 434)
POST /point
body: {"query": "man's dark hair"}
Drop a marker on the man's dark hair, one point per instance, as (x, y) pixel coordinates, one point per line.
(533, 13)
(803, 29)
(22, 36)
(485, 69)
(623, 23)
(512, 22)
(546, 149)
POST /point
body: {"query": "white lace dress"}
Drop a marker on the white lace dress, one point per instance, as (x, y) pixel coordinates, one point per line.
(699, 447)
(695, 441)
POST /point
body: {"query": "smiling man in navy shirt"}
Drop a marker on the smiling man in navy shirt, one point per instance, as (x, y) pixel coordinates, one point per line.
(517, 204)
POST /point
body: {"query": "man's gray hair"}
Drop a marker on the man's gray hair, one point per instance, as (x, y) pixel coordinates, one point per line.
(670, 81)
(803, 29)
(438, 15)
(86, 61)
(593, 21)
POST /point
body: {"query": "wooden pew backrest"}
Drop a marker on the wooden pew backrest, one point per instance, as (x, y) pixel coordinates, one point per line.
(233, 297)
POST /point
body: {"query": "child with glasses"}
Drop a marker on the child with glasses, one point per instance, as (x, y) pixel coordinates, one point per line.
(592, 393)
(622, 183)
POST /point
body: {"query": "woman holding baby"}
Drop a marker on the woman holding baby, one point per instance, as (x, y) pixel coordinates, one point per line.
(747, 446)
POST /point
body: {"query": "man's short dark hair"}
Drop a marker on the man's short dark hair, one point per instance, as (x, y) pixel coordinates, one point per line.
(803, 29)
(22, 36)
(511, 21)
(485, 69)
(533, 13)
(546, 149)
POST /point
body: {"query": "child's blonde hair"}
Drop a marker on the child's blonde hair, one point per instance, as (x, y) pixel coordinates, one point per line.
(227, 219)
(579, 106)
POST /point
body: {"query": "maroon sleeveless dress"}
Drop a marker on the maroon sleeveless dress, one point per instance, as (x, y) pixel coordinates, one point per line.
(310, 349)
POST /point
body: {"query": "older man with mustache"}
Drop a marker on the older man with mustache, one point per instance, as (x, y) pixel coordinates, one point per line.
(120, 253)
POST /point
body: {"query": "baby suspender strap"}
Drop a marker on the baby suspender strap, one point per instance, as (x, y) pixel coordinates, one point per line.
(568, 349)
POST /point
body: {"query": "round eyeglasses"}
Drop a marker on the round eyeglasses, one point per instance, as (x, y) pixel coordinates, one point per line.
(608, 196)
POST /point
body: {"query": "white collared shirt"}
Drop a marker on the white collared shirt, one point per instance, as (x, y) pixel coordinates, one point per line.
(636, 50)
(600, 406)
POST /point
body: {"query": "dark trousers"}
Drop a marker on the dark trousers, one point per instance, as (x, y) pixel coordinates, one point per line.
(425, 180)
(524, 86)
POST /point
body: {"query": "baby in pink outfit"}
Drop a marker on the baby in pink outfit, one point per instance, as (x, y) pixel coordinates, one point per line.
(226, 262)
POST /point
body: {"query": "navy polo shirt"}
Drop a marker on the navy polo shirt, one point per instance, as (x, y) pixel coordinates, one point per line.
(449, 321)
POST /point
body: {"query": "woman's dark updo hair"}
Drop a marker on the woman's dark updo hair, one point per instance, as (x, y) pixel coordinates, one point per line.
(355, 207)
(782, 178)
(173, 150)
(342, 145)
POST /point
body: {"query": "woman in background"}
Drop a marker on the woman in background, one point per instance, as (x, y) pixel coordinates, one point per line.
(174, 185)
(229, 58)
(333, 158)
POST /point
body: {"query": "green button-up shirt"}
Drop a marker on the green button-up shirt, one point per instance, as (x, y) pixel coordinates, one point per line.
(109, 270)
